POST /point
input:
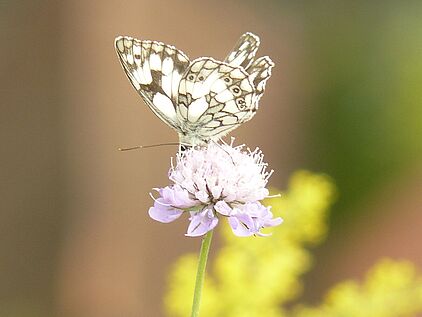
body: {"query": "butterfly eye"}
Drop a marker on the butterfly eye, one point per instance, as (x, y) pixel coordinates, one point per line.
(201, 78)
(235, 90)
(241, 104)
(191, 77)
(228, 80)
(137, 56)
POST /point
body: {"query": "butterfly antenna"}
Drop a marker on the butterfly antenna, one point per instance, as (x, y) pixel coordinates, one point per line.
(138, 147)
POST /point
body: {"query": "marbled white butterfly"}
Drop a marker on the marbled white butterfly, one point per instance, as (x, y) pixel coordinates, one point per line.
(202, 99)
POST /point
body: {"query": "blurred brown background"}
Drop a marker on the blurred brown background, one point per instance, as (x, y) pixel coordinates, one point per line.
(345, 98)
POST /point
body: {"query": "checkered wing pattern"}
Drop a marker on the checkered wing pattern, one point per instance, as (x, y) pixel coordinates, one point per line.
(155, 70)
(202, 99)
(214, 98)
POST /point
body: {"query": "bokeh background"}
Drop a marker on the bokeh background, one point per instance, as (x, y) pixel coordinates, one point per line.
(345, 99)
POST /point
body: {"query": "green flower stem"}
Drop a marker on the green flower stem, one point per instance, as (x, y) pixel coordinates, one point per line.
(200, 274)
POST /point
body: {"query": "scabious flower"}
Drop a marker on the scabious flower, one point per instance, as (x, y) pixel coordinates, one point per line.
(215, 182)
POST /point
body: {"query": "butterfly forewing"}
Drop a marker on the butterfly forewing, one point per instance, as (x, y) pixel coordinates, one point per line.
(244, 51)
(155, 70)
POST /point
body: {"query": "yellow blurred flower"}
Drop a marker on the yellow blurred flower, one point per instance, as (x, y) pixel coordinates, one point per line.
(255, 277)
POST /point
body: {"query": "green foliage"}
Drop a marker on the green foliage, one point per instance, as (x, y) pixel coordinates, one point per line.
(254, 277)
(367, 68)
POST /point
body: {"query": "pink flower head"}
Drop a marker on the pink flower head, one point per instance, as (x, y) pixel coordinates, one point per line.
(213, 182)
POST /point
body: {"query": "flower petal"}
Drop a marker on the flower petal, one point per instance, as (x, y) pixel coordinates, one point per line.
(238, 228)
(272, 222)
(216, 191)
(250, 218)
(246, 219)
(177, 197)
(202, 196)
(223, 208)
(201, 223)
(163, 213)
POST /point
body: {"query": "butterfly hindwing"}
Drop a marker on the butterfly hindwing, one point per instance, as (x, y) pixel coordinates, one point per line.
(214, 97)
(259, 72)
(155, 70)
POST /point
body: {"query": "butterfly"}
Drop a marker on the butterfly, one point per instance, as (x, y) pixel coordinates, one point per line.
(202, 99)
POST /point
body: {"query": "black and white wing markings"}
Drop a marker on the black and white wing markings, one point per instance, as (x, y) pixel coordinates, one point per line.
(244, 51)
(259, 72)
(203, 99)
(155, 70)
(214, 97)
